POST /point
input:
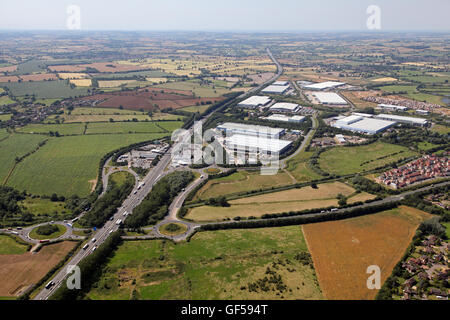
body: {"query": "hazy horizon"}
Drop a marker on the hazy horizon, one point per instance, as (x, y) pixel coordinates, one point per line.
(261, 16)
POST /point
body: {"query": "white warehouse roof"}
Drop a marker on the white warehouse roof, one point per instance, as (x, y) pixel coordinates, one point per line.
(350, 119)
(393, 117)
(366, 125)
(280, 83)
(248, 129)
(285, 106)
(275, 89)
(282, 117)
(255, 101)
(250, 143)
(391, 106)
(324, 85)
(329, 98)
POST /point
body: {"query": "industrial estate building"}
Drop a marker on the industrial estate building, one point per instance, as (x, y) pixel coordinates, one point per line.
(252, 144)
(250, 130)
(285, 107)
(255, 102)
(361, 124)
(284, 118)
(324, 85)
(329, 98)
(409, 120)
(274, 89)
(392, 107)
(280, 83)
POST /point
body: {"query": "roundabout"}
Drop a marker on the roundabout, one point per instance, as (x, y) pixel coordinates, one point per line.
(173, 229)
(48, 232)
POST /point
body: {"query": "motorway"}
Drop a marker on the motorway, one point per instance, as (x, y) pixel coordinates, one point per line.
(135, 198)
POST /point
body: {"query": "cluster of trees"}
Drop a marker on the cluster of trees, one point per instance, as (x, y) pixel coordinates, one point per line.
(220, 201)
(411, 136)
(155, 205)
(47, 229)
(9, 199)
(106, 206)
(367, 185)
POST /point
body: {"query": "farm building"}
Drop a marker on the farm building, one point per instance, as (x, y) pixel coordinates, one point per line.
(329, 98)
(285, 107)
(284, 118)
(275, 89)
(409, 120)
(243, 143)
(362, 124)
(324, 85)
(254, 102)
(250, 130)
(392, 107)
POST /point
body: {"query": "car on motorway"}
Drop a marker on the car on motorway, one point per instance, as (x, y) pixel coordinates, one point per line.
(125, 213)
(94, 248)
(19, 228)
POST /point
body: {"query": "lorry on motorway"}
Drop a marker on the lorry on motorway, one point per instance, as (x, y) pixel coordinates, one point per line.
(70, 225)
(119, 222)
(44, 241)
(93, 240)
(125, 213)
(86, 246)
(14, 232)
(49, 285)
(334, 210)
(74, 220)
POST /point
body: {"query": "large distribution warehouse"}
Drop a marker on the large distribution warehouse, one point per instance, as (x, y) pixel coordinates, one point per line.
(252, 144)
(255, 102)
(285, 107)
(361, 124)
(250, 130)
(409, 120)
(329, 98)
(276, 89)
(324, 85)
(284, 118)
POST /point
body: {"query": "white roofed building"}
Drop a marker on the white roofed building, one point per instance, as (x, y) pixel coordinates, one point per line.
(243, 143)
(409, 120)
(254, 102)
(364, 125)
(250, 130)
(324, 85)
(330, 98)
(285, 107)
(275, 89)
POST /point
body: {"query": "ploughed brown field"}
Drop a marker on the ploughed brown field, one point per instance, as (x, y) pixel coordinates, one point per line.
(19, 271)
(342, 250)
(147, 98)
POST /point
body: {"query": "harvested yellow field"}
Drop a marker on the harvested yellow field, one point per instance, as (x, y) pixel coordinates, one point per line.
(156, 80)
(343, 250)
(323, 191)
(73, 75)
(363, 196)
(81, 82)
(387, 79)
(208, 213)
(113, 83)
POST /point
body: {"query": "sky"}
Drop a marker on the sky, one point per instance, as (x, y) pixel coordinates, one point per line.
(225, 15)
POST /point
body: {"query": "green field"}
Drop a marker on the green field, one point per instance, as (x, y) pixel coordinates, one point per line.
(9, 246)
(241, 181)
(62, 129)
(348, 160)
(16, 145)
(40, 206)
(121, 177)
(123, 127)
(200, 90)
(441, 129)
(299, 168)
(45, 89)
(5, 117)
(195, 109)
(213, 265)
(4, 100)
(69, 165)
